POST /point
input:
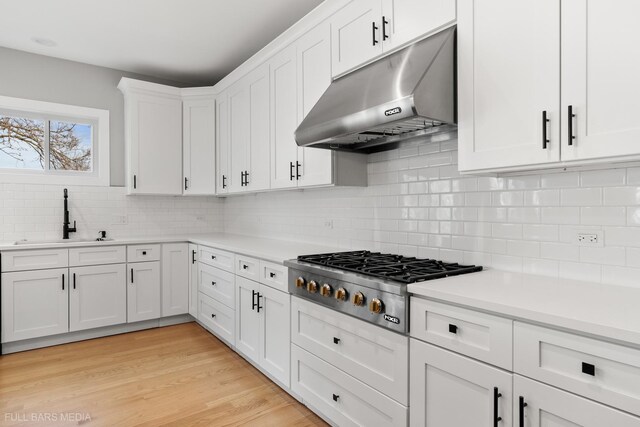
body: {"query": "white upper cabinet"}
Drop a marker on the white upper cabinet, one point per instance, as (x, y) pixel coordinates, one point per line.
(153, 137)
(600, 69)
(314, 77)
(366, 29)
(256, 175)
(507, 85)
(198, 145)
(284, 150)
(223, 147)
(356, 34)
(238, 134)
(406, 20)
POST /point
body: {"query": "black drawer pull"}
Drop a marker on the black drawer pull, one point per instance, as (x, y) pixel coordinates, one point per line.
(213, 316)
(132, 276)
(545, 122)
(63, 281)
(272, 275)
(213, 257)
(496, 396)
(144, 252)
(193, 257)
(336, 397)
(74, 280)
(570, 118)
(589, 369)
(521, 405)
(453, 328)
(213, 283)
(253, 300)
(245, 266)
(336, 340)
(374, 28)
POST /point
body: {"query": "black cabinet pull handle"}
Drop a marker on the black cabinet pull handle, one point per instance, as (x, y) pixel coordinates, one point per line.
(193, 257)
(545, 122)
(74, 280)
(453, 328)
(245, 266)
(589, 369)
(384, 28)
(213, 283)
(213, 257)
(241, 179)
(570, 117)
(213, 316)
(272, 275)
(291, 176)
(132, 276)
(63, 281)
(246, 178)
(374, 28)
(496, 396)
(134, 182)
(335, 397)
(298, 165)
(259, 306)
(336, 340)
(224, 181)
(253, 299)
(144, 252)
(186, 183)
(521, 405)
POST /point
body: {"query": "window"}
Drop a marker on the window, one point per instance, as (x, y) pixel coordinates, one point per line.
(43, 142)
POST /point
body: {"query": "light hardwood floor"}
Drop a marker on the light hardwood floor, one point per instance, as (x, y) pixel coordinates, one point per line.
(173, 376)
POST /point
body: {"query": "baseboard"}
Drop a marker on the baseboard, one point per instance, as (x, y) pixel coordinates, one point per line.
(24, 345)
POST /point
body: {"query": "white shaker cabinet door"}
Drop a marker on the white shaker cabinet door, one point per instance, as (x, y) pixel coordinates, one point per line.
(247, 318)
(275, 333)
(407, 20)
(35, 304)
(356, 35)
(199, 158)
(238, 134)
(508, 83)
(223, 148)
(314, 77)
(143, 291)
(175, 279)
(600, 84)
(447, 389)
(193, 280)
(284, 150)
(539, 405)
(98, 296)
(257, 174)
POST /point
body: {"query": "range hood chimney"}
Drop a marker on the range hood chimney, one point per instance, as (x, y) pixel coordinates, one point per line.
(408, 94)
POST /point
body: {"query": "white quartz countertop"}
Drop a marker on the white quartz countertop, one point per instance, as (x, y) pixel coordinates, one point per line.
(268, 249)
(604, 310)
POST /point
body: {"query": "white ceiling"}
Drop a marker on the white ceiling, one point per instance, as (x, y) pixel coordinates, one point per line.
(191, 41)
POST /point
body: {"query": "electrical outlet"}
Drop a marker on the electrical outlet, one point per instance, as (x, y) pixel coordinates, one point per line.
(594, 238)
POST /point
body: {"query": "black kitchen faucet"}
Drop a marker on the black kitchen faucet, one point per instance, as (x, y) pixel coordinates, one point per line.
(65, 225)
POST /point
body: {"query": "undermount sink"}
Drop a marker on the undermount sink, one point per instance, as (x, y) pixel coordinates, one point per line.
(53, 241)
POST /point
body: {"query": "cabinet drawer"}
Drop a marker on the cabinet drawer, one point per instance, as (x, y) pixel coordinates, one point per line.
(274, 275)
(340, 397)
(375, 356)
(141, 253)
(218, 284)
(34, 260)
(601, 371)
(477, 335)
(217, 317)
(248, 267)
(97, 256)
(216, 258)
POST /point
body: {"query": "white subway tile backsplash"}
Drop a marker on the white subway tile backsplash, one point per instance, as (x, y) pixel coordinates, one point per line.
(622, 196)
(603, 178)
(602, 216)
(581, 197)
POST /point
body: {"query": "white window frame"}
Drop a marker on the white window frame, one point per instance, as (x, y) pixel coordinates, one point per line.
(99, 119)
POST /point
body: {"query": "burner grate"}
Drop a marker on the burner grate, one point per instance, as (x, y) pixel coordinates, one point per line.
(388, 266)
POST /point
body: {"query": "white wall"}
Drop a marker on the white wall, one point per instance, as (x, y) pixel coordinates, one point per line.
(418, 205)
(36, 212)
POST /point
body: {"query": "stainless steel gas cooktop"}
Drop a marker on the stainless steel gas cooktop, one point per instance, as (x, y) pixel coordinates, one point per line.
(368, 285)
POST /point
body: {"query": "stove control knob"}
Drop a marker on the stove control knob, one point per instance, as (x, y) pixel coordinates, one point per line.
(300, 282)
(325, 290)
(312, 286)
(358, 299)
(341, 294)
(375, 306)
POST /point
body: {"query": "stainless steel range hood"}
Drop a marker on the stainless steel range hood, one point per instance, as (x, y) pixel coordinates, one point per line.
(408, 94)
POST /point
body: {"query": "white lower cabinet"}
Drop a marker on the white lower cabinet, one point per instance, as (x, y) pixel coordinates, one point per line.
(143, 291)
(97, 296)
(341, 398)
(175, 279)
(539, 405)
(217, 317)
(193, 280)
(262, 320)
(451, 390)
(34, 304)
